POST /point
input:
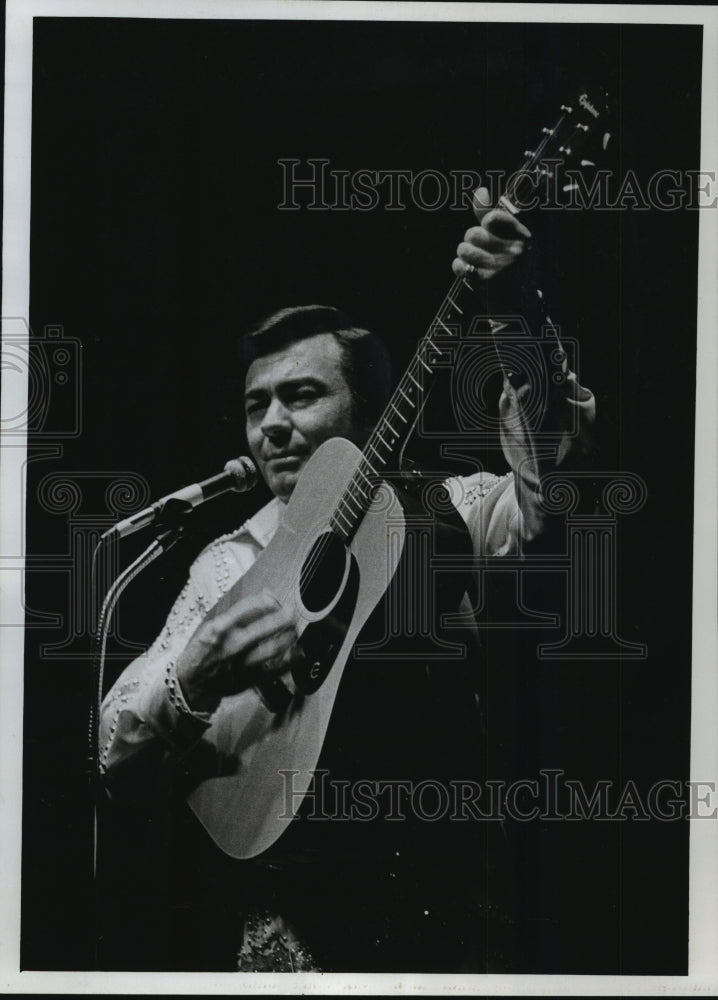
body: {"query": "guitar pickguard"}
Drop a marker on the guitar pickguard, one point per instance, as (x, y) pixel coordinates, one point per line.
(321, 641)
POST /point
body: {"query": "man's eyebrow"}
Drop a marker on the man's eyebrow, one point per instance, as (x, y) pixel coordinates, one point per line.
(292, 382)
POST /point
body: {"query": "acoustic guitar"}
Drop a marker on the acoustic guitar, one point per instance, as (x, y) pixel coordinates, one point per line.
(332, 561)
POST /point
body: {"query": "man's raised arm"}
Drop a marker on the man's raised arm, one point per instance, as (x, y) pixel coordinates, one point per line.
(501, 512)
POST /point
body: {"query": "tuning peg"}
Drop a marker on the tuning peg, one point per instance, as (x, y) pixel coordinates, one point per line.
(567, 109)
(529, 152)
(582, 126)
(547, 131)
(566, 150)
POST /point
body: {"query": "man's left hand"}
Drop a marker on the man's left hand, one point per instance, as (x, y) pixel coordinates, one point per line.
(493, 245)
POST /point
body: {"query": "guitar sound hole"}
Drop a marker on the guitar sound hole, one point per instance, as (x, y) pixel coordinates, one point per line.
(323, 572)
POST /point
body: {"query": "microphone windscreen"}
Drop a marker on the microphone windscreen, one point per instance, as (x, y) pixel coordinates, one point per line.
(244, 473)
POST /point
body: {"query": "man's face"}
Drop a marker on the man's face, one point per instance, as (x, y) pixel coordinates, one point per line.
(295, 399)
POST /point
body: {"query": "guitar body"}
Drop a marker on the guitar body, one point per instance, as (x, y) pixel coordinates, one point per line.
(242, 797)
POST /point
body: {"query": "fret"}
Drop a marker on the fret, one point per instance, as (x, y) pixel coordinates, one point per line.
(432, 344)
(376, 454)
(349, 497)
(381, 438)
(339, 528)
(361, 490)
(366, 460)
(398, 412)
(366, 480)
(338, 513)
(390, 427)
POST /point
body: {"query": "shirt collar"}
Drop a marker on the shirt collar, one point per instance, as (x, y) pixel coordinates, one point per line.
(265, 522)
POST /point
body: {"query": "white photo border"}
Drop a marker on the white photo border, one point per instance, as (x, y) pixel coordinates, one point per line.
(703, 939)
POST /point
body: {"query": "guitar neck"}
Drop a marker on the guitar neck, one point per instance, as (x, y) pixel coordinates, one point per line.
(382, 452)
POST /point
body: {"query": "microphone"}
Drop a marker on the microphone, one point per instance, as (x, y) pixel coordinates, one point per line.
(240, 475)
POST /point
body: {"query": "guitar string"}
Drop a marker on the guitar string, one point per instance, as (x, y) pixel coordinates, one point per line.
(409, 380)
(342, 510)
(404, 388)
(443, 313)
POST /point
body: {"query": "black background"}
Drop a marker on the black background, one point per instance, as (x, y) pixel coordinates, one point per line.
(156, 239)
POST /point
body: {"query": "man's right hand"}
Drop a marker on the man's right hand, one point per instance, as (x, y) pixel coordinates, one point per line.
(232, 652)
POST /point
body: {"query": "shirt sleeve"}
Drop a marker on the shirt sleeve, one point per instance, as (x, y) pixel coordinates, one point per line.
(501, 512)
(144, 706)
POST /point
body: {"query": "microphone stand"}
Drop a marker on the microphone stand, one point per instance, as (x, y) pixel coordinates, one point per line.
(170, 534)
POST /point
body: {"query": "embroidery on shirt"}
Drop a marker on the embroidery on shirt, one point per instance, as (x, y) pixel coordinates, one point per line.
(231, 536)
(221, 564)
(121, 691)
(482, 489)
(270, 945)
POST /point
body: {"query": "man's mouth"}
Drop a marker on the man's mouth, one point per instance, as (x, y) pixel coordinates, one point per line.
(288, 460)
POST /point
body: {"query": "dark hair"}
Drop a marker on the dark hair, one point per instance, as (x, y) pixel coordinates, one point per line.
(365, 359)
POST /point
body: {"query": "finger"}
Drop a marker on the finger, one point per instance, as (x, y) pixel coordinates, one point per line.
(479, 237)
(460, 269)
(485, 240)
(222, 641)
(504, 225)
(269, 655)
(475, 257)
(248, 610)
(274, 655)
(243, 639)
(275, 623)
(271, 658)
(281, 663)
(481, 202)
(479, 258)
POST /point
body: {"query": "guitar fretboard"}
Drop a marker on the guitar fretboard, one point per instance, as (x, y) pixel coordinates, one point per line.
(383, 449)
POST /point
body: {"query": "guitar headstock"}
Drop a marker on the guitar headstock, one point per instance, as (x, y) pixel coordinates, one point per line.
(576, 144)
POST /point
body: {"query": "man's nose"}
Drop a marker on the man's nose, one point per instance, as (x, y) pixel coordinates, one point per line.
(277, 420)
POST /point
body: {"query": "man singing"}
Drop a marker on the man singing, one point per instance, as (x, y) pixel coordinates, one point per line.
(381, 895)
